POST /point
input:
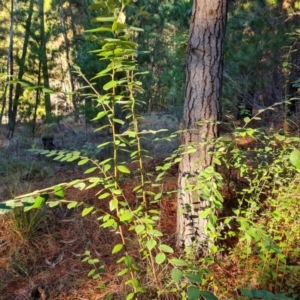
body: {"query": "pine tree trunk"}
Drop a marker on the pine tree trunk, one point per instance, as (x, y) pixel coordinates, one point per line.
(201, 111)
(68, 59)
(10, 72)
(21, 63)
(43, 58)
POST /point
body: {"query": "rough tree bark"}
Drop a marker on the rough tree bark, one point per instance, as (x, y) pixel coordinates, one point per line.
(201, 111)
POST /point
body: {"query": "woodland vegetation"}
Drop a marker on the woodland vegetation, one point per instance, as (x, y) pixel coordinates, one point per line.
(139, 162)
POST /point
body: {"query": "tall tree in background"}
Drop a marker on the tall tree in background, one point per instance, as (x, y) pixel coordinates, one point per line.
(201, 113)
(10, 63)
(13, 110)
(43, 58)
(67, 51)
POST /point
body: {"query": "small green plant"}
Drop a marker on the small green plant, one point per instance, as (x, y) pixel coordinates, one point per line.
(27, 224)
(265, 184)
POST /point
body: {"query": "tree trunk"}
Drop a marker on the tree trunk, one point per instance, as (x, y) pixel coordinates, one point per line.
(67, 54)
(43, 58)
(37, 99)
(18, 91)
(10, 71)
(201, 113)
(3, 101)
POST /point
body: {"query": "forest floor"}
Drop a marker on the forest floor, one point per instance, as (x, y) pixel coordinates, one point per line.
(50, 260)
(48, 263)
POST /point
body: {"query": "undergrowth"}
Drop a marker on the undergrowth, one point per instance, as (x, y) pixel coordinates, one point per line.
(258, 215)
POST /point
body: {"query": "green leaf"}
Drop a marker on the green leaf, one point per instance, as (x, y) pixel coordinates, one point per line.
(40, 200)
(104, 195)
(106, 168)
(130, 296)
(116, 192)
(195, 278)
(208, 295)
(100, 29)
(247, 293)
(122, 272)
(6, 206)
(59, 192)
(83, 161)
(279, 137)
(147, 220)
(100, 115)
(113, 204)
(72, 204)
(128, 261)
(117, 248)
(119, 121)
(205, 213)
(166, 248)
(91, 273)
(109, 223)
(87, 210)
(178, 262)
(295, 159)
(123, 169)
(176, 275)
(104, 19)
(110, 84)
(247, 120)
(93, 261)
(48, 91)
(151, 244)
(155, 232)
(217, 161)
(90, 170)
(285, 64)
(126, 216)
(136, 28)
(158, 196)
(193, 293)
(139, 229)
(262, 294)
(134, 282)
(54, 203)
(80, 186)
(160, 258)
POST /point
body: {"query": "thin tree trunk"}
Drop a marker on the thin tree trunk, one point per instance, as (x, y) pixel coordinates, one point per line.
(18, 91)
(10, 72)
(37, 99)
(3, 100)
(43, 58)
(67, 54)
(201, 111)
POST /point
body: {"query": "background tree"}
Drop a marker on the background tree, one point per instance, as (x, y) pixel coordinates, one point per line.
(254, 75)
(21, 62)
(201, 113)
(10, 61)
